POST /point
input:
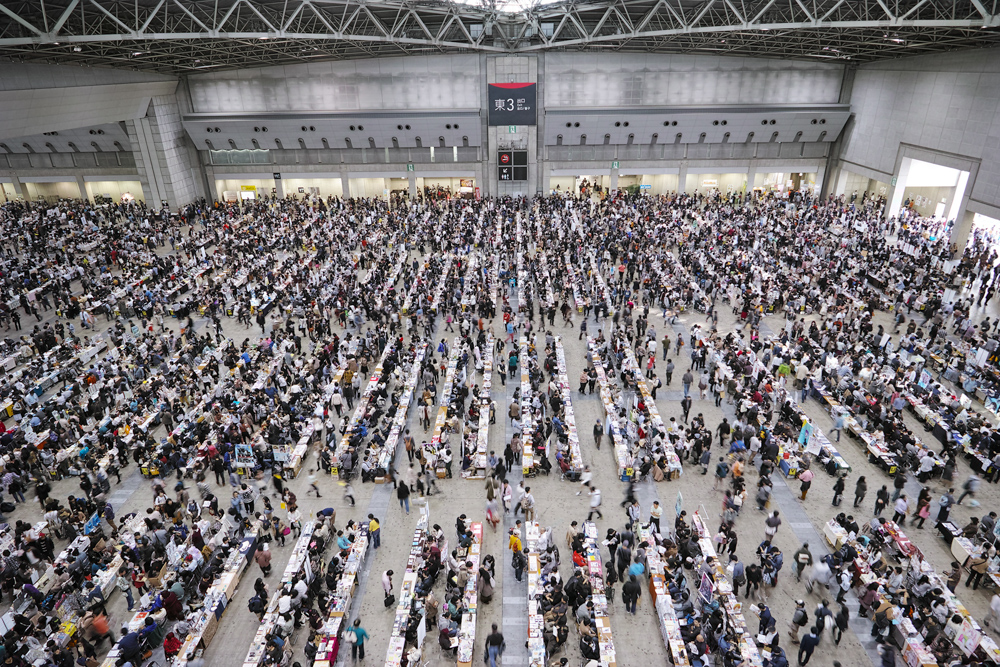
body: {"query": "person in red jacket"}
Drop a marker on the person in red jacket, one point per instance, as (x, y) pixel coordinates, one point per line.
(171, 645)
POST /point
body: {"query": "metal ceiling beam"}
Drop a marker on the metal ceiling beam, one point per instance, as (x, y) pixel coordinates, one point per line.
(379, 27)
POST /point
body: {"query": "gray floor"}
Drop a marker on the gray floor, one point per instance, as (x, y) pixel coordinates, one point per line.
(637, 638)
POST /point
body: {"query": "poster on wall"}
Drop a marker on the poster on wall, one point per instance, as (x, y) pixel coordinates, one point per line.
(512, 104)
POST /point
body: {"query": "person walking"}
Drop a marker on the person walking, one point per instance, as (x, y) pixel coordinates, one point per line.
(358, 642)
(800, 617)
(686, 407)
(124, 584)
(969, 488)
(374, 531)
(771, 524)
(805, 479)
(263, 558)
(860, 489)
(494, 646)
(881, 500)
(900, 510)
(721, 472)
(807, 646)
(598, 433)
(803, 558)
(519, 560)
(631, 592)
(595, 502)
(686, 380)
(977, 568)
(387, 583)
(838, 424)
(403, 494)
(841, 622)
(838, 490)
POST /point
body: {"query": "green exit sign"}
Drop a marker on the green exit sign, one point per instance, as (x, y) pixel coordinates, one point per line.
(893, 183)
(614, 165)
(511, 129)
(409, 166)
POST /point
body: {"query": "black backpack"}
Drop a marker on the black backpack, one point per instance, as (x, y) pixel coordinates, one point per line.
(255, 604)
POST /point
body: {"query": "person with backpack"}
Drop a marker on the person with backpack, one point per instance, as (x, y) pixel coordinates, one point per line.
(771, 524)
(519, 560)
(257, 606)
(631, 591)
(800, 618)
(721, 472)
(823, 615)
(969, 488)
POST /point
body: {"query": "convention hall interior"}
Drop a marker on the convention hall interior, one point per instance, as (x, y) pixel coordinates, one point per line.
(288, 375)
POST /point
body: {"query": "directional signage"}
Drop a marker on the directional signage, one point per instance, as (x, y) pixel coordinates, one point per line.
(512, 104)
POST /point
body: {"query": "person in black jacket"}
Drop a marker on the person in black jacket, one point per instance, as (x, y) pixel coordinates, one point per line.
(631, 592)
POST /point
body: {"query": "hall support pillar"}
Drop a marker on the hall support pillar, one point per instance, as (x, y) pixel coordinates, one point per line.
(751, 177)
(841, 185)
(682, 177)
(82, 185)
(613, 181)
(896, 186)
(411, 184)
(961, 231)
(279, 190)
(21, 188)
(345, 185)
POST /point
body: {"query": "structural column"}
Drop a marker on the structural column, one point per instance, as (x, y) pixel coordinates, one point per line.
(896, 186)
(682, 177)
(961, 230)
(345, 185)
(279, 189)
(841, 185)
(411, 184)
(21, 188)
(82, 185)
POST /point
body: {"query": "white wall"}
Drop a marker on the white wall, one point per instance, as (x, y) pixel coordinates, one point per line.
(627, 80)
(327, 186)
(233, 185)
(114, 188)
(368, 187)
(61, 190)
(415, 82)
(661, 183)
(726, 182)
(44, 98)
(567, 184)
(945, 102)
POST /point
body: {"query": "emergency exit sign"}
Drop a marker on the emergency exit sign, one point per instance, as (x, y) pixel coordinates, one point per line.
(511, 129)
(409, 166)
(614, 165)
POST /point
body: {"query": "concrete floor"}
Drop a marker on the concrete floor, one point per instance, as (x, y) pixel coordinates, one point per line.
(637, 639)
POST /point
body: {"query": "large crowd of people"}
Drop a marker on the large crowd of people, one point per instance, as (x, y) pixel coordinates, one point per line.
(221, 350)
